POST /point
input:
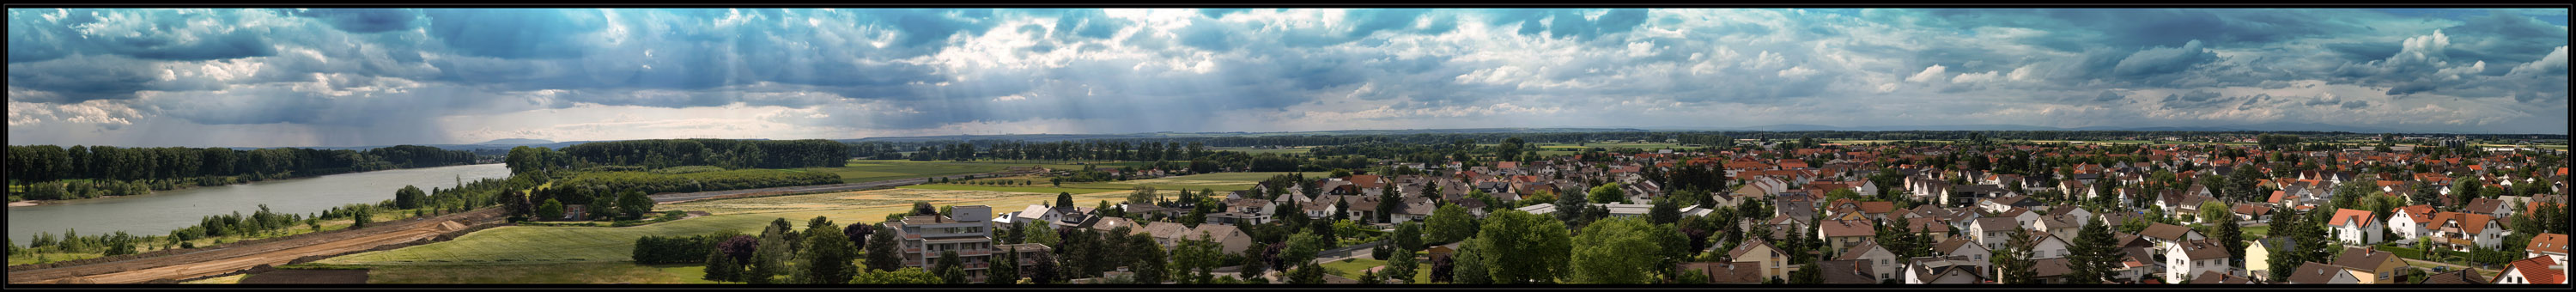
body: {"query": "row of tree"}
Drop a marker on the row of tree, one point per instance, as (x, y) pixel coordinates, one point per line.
(48, 172)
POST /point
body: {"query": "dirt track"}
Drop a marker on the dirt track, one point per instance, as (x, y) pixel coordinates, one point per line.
(227, 260)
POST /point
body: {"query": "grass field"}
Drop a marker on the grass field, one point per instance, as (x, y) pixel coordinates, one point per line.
(877, 170)
(1249, 150)
(578, 273)
(1229, 181)
(2255, 231)
(1039, 188)
(564, 245)
(1352, 268)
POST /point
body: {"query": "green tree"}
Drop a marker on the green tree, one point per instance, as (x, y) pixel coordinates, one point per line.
(2214, 213)
(1408, 235)
(765, 263)
(365, 216)
(1063, 199)
(883, 253)
(1149, 260)
(2233, 237)
(951, 270)
(1302, 248)
(1197, 257)
(2094, 255)
(906, 275)
(1306, 273)
(721, 269)
(1451, 223)
(1468, 266)
(1143, 195)
(2013, 263)
(552, 209)
(1664, 211)
(1608, 193)
(1005, 269)
(409, 197)
(1401, 266)
(635, 205)
(1609, 252)
(826, 256)
(1539, 247)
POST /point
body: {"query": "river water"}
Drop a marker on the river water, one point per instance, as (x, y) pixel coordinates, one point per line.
(159, 212)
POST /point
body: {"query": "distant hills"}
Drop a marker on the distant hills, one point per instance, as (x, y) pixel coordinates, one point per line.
(516, 141)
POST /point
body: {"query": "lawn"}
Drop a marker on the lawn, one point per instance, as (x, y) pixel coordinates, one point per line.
(1227, 181)
(877, 170)
(558, 273)
(547, 244)
(1039, 188)
(1353, 267)
(2256, 231)
(1249, 150)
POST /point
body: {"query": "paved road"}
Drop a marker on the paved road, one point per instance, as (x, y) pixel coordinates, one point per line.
(684, 197)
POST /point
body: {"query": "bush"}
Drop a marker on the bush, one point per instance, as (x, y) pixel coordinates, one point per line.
(652, 250)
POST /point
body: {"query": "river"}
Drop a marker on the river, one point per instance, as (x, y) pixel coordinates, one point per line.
(159, 212)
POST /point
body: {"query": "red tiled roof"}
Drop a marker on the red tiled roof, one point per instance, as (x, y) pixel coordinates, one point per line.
(2536, 270)
(2548, 242)
(2342, 216)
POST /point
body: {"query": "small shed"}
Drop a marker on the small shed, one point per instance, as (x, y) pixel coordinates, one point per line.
(574, 213)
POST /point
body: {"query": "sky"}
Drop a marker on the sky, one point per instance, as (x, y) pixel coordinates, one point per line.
(361, 77)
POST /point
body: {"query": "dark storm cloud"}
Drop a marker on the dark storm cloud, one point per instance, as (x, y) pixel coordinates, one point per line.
(1120, 71)
(362, 20)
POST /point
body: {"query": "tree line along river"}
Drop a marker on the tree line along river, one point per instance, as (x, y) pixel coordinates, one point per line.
(159, 212)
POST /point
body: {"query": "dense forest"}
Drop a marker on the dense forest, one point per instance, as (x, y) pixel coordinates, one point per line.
(48, 172)
(654, 154)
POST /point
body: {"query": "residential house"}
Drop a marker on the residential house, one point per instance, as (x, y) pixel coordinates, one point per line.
(2370, 266)
(2459, 231)
(1992, 232)
(1841, 235)
(2552, 245)
(1938, 230)
(2049, 246)
(1968, 250)
(2410, 222)
(2214, 277)
(1846, 272)
(2186, 258)
(2354, 227)
(2003, 203)
(2319, 273)
(1760, 253)
(1945, 270)
(1881, 261)
(2534, 270)
(2258, 256)
(1727, 272)
(2161, 236)
(2252, 212)
(2490, 207)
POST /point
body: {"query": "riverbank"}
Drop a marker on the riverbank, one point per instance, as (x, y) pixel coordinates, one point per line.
(184, 185)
